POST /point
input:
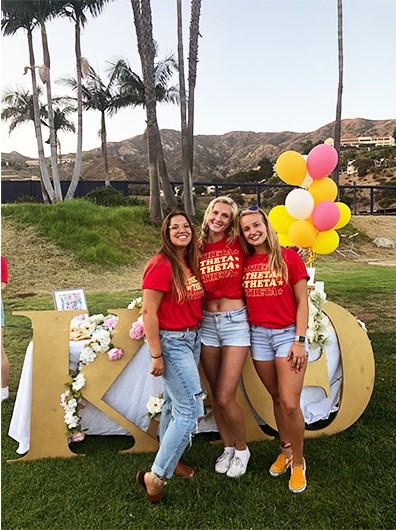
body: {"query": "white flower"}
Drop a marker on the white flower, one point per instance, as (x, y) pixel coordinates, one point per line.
(79, 382)
(154, 405)
(136, 302)
(97, 318)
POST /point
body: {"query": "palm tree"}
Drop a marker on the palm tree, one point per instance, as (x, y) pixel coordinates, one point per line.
(144, 33)
(187, 120)
(61, 121)
(186, 173)
(44, 10)
(131, 91)
(192, 74)
(103, 97)
(337, 126)
(76, 11)
(20, 15)
(18, 107)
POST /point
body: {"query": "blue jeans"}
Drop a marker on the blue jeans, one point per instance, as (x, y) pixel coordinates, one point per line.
(183, 403)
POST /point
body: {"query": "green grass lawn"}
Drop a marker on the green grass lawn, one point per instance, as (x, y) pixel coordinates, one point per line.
(351, 475)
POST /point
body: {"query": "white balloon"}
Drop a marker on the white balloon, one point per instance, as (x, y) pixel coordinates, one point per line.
(299, 203)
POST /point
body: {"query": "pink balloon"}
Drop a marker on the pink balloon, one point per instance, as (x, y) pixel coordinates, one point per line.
(321, 161)
(325, 215)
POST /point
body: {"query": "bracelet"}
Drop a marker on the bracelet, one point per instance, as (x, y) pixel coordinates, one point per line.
(156, 356)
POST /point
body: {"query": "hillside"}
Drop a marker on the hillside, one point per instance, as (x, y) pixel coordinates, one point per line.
(44, 252)
(216, 156)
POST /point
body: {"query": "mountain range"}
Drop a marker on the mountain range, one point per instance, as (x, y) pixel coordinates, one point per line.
(216, 156)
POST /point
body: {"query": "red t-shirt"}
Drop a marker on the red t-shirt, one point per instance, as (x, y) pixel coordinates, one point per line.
(173, 315)
(221, 267)
(4, 270)
(270, 301)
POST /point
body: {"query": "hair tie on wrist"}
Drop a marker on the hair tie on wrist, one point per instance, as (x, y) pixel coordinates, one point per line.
(156, 356)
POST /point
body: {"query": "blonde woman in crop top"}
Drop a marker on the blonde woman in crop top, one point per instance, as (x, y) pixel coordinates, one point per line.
(225, 332)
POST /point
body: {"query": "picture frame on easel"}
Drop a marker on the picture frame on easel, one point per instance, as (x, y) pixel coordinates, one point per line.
(69, 299)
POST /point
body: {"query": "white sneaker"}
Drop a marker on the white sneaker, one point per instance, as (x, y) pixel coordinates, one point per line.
(237, 467)
(223, 462)
(4, 393)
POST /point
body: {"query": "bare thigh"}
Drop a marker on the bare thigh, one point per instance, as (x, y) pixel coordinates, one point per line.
(232, 360)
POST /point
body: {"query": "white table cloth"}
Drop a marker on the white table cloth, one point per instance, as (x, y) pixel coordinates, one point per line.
(131, 400)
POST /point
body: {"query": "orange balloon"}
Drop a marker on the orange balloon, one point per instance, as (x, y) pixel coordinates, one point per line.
(302, 234)
(324, 189)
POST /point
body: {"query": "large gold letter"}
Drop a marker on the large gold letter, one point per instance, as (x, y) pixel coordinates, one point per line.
(51, 335)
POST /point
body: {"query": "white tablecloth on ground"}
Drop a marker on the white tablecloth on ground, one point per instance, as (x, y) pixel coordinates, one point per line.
(130, 400)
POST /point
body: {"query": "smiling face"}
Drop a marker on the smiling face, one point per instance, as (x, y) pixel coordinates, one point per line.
(220, 218)
(180, 233)
(254, 230)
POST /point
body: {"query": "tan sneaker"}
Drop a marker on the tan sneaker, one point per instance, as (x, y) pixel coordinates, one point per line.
(298, 480)
(280, 466)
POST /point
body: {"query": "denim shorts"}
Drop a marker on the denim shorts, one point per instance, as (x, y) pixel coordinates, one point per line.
(226, 328)
(2, 315)
(268, 343)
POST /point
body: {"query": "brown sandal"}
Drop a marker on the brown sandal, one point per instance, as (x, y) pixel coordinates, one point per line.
(184, 471)
(153, 499)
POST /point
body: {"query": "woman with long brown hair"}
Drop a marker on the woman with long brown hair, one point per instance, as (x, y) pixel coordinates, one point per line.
(172, 313)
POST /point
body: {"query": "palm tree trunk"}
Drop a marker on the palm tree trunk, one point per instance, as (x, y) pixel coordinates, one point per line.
(103, 136)
(186, 173)
(144, 33)
(337, 127)
(54, 161)
(45, 179)
(169, 194)
(77, 162)
(192, 76)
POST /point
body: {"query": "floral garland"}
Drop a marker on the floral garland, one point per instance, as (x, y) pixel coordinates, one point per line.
(98, 329)
(318, 322)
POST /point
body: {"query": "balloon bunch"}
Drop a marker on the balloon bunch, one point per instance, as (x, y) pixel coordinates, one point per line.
(310, 217)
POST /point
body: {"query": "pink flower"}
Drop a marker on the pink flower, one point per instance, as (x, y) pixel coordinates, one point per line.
(115, 353)
(76, 437)
(137, 331)
(111, 322)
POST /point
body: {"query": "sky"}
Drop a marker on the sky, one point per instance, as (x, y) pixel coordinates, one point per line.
(264, 65)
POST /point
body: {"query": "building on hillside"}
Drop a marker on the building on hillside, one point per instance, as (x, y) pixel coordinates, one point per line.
(362, 141)
(32, 163)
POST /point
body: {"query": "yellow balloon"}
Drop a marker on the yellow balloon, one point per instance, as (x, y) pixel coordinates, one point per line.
(291, 167)
(280, 219)
(324, 189)
(326, 242)
(345, 215)
(302, 233)
(284, 240)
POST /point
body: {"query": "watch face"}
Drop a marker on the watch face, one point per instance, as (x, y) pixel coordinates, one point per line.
(301, 339)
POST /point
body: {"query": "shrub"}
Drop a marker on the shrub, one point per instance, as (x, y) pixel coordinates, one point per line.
(107, 197)
(139, 189)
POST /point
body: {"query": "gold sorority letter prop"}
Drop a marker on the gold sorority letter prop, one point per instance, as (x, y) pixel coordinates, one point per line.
(51, 336)
(358, 375)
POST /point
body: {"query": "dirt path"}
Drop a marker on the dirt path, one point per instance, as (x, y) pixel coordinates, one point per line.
(37, 266)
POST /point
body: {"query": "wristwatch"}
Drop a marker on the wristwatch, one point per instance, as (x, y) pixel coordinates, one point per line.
(299, 338)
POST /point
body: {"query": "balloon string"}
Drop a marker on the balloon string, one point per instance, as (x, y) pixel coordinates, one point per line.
(311, 257)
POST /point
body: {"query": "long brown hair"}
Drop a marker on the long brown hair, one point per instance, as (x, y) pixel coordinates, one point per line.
(276, 263)
(191, 255)
(232, 231)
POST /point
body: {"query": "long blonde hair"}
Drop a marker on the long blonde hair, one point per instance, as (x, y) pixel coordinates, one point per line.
(191, 255)
(276, 263)
(232, 231)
